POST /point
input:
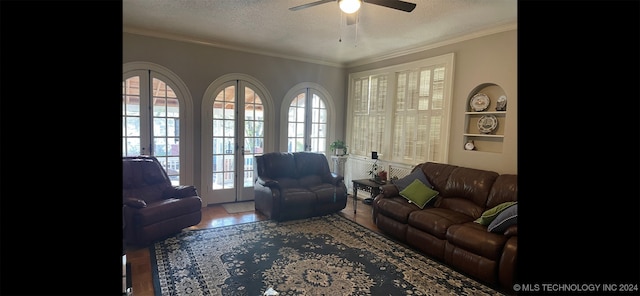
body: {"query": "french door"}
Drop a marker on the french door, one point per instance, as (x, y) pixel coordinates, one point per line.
(237, 136)
(151, 119)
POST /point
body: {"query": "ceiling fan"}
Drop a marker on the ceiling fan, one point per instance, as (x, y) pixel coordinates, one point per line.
(394, 4)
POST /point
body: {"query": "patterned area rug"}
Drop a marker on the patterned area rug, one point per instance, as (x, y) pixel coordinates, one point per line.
(327, 255)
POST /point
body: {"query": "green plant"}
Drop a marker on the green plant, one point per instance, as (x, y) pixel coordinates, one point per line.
(373, 172)
(338, 144)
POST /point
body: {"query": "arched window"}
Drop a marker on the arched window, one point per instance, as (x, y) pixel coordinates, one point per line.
(308, 110)
(156, 108)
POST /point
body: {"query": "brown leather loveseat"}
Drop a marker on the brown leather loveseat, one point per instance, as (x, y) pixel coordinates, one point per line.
(295, 185)
(446, 228)
(152, 207)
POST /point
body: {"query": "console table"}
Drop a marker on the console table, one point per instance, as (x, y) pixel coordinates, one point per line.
(367, 185)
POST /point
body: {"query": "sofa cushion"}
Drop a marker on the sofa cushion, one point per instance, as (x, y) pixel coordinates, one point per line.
(395, 207)
(436, 221)
(325, 193)
(288, 183)
(277, 165)
(310, 164)
(437, 174)
(460, 205)
(489, 215)
(405, 181)
(475, 239)
(418, 193)
(506, 218)
(504, 189)
(310, 181)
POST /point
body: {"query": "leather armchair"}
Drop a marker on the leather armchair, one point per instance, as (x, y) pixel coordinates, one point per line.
(152, 207)
(297, 185)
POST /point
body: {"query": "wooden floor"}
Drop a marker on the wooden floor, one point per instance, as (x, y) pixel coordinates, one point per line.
(216, 216)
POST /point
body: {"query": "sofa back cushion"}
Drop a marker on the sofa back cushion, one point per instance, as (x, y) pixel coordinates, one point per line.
(143, 171)
(437, 174)
(311, 163)
(469, 184)
(504, 189)
(276, 165)
(144, 178)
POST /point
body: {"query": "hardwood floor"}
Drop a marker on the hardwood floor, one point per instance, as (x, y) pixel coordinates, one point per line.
(216, 216)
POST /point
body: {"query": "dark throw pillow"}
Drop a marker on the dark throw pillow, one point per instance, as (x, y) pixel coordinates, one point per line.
(490, 214)
(504, 220)
(403, 182)
(418, 193)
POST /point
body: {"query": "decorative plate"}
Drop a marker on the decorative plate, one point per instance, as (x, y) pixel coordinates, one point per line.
(487, 123)
(501, 103)
(479, 102)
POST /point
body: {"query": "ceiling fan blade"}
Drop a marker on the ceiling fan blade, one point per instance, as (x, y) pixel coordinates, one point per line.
(303, 6)
(395, 4)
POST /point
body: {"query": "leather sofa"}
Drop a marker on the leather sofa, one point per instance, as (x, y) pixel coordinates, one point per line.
(152, 207)
(296, 185)
(445, 229)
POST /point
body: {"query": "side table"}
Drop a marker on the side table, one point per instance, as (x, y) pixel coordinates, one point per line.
(368, 186)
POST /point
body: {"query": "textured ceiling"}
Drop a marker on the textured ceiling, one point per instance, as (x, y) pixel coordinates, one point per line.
(319, 33)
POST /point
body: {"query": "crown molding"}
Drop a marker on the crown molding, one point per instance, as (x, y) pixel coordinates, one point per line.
(378, 58)
(412, 50)
(174, 37)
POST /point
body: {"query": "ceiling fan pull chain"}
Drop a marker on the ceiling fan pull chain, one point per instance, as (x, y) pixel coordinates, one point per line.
(357, 21)
(340, 27)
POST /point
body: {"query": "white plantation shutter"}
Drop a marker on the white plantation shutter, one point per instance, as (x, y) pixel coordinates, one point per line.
(402, 112)
(418, 115)
(369, 116)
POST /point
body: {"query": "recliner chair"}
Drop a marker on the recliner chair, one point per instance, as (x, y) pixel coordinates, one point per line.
(152, 207)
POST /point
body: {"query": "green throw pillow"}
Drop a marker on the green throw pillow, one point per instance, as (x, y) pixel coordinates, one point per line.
(492, 213)
(418, 193)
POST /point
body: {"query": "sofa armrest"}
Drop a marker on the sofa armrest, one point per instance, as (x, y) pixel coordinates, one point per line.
(336, 179)
(135, 203)
(267, 182)
(180, 191)
(389, 190)
(511, 231)
(184, 191)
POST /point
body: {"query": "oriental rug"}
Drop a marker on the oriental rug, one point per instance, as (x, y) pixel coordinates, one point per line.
(328, 255)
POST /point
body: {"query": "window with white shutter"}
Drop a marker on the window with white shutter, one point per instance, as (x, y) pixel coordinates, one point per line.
(402, 112)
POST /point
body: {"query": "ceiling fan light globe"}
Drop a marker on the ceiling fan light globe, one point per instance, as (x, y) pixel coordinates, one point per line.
(349, 6)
